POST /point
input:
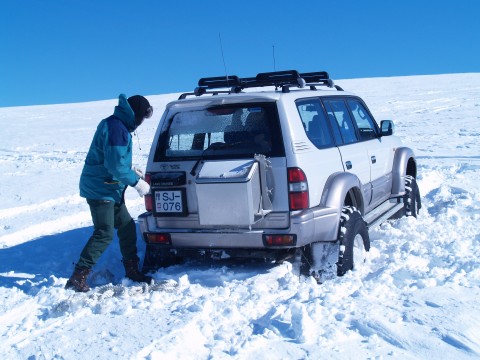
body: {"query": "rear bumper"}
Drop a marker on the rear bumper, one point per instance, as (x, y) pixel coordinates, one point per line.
(311, 225)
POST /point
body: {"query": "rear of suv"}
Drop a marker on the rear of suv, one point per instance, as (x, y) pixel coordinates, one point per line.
(281, 165)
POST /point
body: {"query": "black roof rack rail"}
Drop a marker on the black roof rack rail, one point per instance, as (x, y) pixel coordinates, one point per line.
(249, 80)
(209, 83)
(280, 78)
(319, 77)
(283, 79)
(219, 82)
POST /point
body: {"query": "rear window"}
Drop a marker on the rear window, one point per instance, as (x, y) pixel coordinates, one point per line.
(232, 131)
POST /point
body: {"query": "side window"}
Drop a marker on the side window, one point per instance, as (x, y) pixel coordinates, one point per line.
(340, 116)
(365, 123)
(314, 122)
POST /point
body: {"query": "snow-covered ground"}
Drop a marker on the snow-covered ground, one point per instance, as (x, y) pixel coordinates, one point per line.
(417, 297)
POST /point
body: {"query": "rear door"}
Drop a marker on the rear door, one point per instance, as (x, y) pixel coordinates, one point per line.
(325, 159)
(354, 154)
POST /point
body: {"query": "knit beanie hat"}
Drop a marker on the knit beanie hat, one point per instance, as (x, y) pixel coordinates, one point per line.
(141, 107)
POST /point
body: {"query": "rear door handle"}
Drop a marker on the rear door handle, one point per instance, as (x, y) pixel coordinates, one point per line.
(374, 159)
(349, 165)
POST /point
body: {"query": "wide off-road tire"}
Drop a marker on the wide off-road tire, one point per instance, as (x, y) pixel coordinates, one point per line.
(411, 199)
(325, 260)
(353, 240)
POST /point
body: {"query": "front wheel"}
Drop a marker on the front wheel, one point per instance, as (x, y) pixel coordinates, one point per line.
(353, 239)
(411, 199)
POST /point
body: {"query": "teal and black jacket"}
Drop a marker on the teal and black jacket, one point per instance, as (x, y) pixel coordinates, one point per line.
(108, 166)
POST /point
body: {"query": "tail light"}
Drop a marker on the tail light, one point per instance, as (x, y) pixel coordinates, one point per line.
(297, 189)
(157, 238)
(280, 240)
(148, 198)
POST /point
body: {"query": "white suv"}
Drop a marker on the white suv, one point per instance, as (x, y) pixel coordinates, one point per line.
(281, 165)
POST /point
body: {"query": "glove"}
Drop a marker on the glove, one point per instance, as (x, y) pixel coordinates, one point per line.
(142, 187)
(139, 172)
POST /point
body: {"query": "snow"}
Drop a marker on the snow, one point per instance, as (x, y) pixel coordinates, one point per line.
(415, 298)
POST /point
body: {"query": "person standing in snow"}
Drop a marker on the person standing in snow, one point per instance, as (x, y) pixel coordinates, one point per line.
(106, 174)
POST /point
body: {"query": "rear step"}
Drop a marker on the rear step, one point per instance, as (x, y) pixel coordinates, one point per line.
(382, 213)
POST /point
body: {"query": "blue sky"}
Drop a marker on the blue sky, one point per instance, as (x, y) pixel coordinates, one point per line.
(64, 51)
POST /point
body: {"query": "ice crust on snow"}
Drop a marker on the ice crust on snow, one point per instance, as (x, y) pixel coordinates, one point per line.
(416, 298)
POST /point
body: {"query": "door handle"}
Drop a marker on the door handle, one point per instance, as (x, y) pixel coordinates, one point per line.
(349, 165)
(374, 159)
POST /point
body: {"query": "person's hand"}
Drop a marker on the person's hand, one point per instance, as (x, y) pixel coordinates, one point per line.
(142, 187)
(139, 172)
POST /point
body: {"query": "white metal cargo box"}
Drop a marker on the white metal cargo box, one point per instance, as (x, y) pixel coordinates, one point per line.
(228, 192)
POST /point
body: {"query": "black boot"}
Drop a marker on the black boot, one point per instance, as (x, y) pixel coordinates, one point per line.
(132, 272)
(78, 280)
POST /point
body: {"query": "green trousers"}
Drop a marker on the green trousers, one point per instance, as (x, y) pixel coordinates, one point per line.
(107, 216)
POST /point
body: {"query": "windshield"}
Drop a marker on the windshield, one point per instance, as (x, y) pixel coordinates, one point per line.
(221, 131)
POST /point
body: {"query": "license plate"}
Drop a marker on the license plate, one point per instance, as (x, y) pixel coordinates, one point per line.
(170, 202)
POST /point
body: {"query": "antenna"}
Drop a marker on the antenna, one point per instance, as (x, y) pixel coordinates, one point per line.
(223, 57)
(274, 65)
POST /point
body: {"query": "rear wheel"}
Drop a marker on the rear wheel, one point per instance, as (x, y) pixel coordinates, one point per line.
(325, 260)
(353, 240)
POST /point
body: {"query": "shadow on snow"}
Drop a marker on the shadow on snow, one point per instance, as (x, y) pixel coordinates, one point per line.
(36, 263)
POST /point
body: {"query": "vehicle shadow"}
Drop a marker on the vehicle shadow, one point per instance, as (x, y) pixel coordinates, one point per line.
(40, 262)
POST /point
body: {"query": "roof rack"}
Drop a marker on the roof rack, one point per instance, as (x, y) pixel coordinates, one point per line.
(284, 79)
(220, 81)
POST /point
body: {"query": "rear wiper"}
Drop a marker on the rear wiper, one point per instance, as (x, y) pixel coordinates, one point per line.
(193, 172)
(214, 146)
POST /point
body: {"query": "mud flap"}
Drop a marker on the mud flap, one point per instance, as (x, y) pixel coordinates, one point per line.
(319, 260)
(157, 256)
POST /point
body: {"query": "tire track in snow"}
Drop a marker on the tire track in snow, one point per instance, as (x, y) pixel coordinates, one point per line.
(33, 232)
(73, 214)
(20, 210)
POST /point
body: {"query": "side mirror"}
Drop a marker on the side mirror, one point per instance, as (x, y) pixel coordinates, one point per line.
(387, 127)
